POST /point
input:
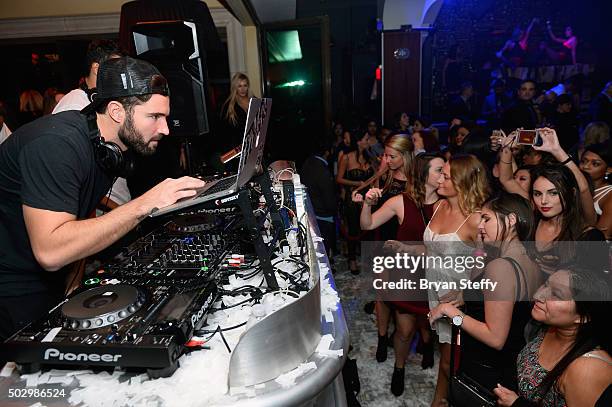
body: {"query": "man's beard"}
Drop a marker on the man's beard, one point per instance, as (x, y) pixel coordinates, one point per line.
(133, 139)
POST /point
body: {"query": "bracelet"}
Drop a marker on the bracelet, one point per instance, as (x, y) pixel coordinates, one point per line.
(567, 160)
(505, 162)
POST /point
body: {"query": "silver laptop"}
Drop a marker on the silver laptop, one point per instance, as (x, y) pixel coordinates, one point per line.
(250, 160)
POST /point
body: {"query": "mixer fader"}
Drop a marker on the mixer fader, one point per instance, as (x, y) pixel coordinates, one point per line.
(176, 250)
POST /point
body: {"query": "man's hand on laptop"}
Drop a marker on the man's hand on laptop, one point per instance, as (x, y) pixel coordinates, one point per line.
(168, 192)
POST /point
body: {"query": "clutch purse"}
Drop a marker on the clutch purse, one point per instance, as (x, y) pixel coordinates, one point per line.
(466, 392)
(463, 390)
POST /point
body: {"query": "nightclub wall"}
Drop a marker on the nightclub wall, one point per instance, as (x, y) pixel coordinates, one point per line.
(481, 27)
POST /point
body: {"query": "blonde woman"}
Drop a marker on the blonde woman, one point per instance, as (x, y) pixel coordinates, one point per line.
(594, 133)
(30, 106)
(453, 231)
(398, 163)
(411, 208)
(234, 110)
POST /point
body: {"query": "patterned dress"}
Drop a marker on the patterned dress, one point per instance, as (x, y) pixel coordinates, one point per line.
(531, 374)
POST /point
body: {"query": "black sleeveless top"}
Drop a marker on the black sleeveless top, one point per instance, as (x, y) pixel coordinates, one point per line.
(483, 363)
(388, 230)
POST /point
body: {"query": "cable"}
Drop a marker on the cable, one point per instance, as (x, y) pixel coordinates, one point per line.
(109, 194)
(224, 307)
(218, 329)
(224, 341)
(277, 175)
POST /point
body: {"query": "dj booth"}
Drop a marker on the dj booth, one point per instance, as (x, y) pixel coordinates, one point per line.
(290, 356)
(225, 301)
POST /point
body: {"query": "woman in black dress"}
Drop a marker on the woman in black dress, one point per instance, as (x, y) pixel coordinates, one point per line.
(353, 170)
(234, 114)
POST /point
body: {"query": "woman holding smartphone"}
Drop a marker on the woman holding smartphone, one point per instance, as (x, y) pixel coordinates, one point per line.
(545, 140)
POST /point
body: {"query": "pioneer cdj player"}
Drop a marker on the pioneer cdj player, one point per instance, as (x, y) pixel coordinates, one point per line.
(141, 308)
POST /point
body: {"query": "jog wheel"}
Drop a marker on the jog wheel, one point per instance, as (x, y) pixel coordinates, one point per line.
(102, 306)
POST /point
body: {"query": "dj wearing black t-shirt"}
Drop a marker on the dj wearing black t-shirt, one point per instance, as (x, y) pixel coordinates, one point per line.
(55, 170)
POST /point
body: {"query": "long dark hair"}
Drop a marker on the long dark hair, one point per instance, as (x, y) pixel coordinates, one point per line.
(430, 141)
(357, 135)
(506, 204)
(572, 221)
(591, 291)
(422, 164)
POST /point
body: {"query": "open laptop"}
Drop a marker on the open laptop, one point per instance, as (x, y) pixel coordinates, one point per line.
(250, 160)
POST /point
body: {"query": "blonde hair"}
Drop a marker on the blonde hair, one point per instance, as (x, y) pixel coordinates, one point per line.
(30, 101)
(469, 178)
(595, 133)
(403, 145)
(232, 99)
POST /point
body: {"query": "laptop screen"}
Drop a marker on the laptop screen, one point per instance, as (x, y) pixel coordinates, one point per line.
(254, 139)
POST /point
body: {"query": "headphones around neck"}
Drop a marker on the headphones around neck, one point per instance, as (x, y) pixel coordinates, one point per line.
(108, 155)
(90, 92)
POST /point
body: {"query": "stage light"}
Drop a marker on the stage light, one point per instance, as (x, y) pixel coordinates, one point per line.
(291, 84)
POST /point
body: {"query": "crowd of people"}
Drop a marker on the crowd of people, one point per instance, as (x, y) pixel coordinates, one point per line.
(528, 185)
(536, 202)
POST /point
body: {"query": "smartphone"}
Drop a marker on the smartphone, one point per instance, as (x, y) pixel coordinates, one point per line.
(529, 137)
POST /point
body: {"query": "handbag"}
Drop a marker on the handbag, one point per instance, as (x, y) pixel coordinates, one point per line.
(463, 390)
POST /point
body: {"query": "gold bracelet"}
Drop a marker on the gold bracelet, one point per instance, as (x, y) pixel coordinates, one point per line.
(505, 162)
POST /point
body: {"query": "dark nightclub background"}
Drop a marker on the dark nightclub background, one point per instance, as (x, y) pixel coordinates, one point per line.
(476, 28)
(480, 28)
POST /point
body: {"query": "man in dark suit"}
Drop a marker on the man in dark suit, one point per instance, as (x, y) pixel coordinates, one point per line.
(523, 112)
(495, 103)
(462, 105)
(319, 180)
(565, 122)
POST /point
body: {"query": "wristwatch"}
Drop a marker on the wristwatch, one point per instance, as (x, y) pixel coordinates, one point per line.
(458, 319)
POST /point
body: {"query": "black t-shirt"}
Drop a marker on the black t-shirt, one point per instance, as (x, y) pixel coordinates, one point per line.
(233, 133)
(47, 164)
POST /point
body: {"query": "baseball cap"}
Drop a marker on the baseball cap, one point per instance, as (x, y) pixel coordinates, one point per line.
(126, 76)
